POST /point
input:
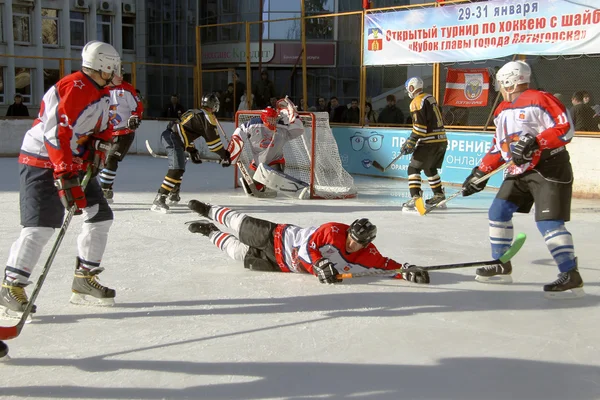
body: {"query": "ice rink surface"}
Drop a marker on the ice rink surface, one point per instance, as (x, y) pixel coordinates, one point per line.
(192, 324)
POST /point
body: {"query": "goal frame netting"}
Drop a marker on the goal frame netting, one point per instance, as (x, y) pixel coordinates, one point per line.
(320, 186)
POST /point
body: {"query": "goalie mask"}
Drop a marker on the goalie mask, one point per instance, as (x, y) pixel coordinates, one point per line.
(362, 231)
(417, 85)
(512, 74)
(211, 101)
(270, 117)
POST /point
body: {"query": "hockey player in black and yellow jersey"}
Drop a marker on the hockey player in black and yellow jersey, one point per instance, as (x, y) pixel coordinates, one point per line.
(427, 144)
(179, 138)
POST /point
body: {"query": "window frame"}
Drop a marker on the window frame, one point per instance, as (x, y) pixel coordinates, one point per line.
(76, 20)
(22, 15)
(56, 19)
(130, 25)
(27, 98)
(100, 23)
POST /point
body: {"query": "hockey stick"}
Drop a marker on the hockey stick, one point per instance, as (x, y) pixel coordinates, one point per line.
(381, 168)
(507, 256)
(11, 332)
(156, 155)
(477, 182)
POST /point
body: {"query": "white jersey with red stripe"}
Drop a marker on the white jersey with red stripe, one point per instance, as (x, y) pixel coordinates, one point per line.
(124, 103)
(534, 112)
(74, 107)
(267, 145)
(297, 249)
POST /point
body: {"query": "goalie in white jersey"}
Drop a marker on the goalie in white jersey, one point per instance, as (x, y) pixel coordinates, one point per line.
(267, 136)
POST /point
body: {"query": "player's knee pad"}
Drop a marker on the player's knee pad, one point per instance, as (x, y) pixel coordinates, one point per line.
(112, 162)
(501, 210)
(98, 213)
(430, 172)
(36, 234)
(256, 260)
(550, 225)
(175, 174)
(413, 171)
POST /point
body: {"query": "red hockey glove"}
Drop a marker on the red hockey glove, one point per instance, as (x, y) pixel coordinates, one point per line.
(70, 191)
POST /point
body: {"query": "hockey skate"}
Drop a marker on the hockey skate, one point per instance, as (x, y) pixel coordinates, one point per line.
(108, 195)
(160, 204)
(4, 352)
(202, 227)
(410, 207)
(569, 285)
(87, 290)
(14, 300)
(174, 197)
(497, 273)
(199, 207)
(435, 200)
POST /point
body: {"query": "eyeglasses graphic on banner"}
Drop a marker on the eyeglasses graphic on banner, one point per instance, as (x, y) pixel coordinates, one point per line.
(375, 140)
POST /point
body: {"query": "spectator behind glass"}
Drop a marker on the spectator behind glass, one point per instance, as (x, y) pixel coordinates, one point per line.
(244, 103)
(352, 115)
(263, 91)
(370, 114)
(174, 109)
(587, 99)
(240, 89)
(17, 109)
(322, 105)
(582, 114)
(391, 114)
(228, 102)
(336, 111)
(144, 100)
(273, 102)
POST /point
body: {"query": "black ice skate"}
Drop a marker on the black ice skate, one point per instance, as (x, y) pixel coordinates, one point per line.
(199, 207)
(174, 197)
(14, 300)
(108, 195)
(409, 206)
(569, 285)
(160, 204)
(435, 200)
(498, 273)
(202, 227)
(87, 290)
(4, 352)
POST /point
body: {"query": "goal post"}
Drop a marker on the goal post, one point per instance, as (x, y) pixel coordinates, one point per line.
(313, 158)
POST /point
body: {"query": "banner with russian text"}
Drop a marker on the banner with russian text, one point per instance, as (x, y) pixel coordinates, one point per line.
(467, 87)
(481, 31)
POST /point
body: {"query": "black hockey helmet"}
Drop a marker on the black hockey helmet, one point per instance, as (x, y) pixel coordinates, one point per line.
(210, 101)
(362, 231)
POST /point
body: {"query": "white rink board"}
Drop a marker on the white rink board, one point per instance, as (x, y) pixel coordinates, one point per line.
(192, 324)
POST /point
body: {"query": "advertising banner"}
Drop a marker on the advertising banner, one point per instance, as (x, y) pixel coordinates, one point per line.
(482, 30)
(359, 147)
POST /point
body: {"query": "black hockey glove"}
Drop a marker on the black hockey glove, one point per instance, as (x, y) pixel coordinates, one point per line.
(409, 146)
(133, 122)
(226, 161)
(522, 153)
(420, 276)
(325, 271)
(194, 155)
(469, 186)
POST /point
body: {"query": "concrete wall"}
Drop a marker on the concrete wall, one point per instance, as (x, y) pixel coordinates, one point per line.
(583, 150)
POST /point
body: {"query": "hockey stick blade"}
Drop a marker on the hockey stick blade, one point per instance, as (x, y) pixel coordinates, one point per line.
(11, 332)
(382, 168)
(378, 166)
(156, 155)
(507, 256)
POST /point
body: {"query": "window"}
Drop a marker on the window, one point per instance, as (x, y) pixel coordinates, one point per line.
(50, 27)
(1, 23)
(103, 28)
(23, 83)
(1, 85)
(129, 33)
(21, 27)
(51, 76)
(78, 29)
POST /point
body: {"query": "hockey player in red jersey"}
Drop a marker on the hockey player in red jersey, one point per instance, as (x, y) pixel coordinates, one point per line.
(324, 251)
(267, 135)
(125, 118)
(74, 109)
(532, 129)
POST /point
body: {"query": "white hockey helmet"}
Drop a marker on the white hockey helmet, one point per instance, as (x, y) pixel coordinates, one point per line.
(101, 57)
(513, 73)
(416, 83)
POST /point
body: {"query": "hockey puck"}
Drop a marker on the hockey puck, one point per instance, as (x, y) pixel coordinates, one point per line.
(3, 349)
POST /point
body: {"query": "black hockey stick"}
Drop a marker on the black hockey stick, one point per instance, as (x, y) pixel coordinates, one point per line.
(157, 155)
(510, 253)
(381, 168)
(477, 182)
(11, 332)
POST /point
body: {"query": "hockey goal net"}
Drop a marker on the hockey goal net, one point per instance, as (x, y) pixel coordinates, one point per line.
(313, 158)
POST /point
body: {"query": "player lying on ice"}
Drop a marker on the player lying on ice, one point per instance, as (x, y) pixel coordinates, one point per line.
(324, 251)
(266, 137)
